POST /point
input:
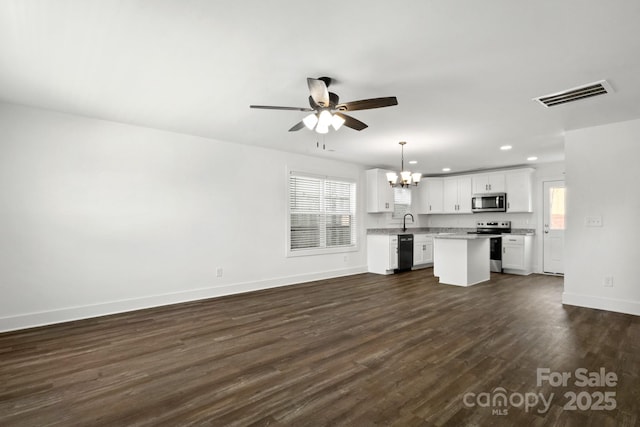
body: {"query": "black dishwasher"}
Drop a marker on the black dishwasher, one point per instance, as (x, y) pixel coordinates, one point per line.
(405, 252)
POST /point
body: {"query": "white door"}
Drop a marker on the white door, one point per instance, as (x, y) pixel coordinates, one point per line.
(554, 225)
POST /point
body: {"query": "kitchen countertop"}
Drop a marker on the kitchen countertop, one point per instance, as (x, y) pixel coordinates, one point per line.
(466, 236)
(418, 230)
(390, 231)
(441, 230)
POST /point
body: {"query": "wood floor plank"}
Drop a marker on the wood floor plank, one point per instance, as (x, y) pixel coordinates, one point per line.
(358, 350)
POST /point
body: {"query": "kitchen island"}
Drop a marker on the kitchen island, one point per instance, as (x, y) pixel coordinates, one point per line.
(461, 259)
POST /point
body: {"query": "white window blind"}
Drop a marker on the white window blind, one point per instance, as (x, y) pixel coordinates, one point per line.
(401, 202)
(322, 213)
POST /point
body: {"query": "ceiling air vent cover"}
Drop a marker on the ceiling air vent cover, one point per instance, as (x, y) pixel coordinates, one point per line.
(577, 93)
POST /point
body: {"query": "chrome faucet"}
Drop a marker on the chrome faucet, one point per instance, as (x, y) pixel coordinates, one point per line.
(404, 221)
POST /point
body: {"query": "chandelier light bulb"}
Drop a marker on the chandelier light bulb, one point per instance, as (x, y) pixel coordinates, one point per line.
(337, 122)
(324, 120)
(392, 178)
(310, 121)
(322, 129)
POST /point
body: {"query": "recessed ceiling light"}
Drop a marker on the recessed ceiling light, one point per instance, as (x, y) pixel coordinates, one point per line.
(446, 169)
(506, 147)
(413, 162)
(532, 158)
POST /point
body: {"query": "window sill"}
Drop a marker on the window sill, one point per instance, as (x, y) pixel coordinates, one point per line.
(323, 251)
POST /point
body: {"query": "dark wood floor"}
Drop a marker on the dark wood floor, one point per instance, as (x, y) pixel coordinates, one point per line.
(362, 350)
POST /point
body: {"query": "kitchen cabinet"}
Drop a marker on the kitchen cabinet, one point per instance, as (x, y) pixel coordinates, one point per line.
(457, 194)
(379, 192)
(519, 190)
(431, 196)
(422, 250)
(517, 254)
(382, 253)
(487, 183)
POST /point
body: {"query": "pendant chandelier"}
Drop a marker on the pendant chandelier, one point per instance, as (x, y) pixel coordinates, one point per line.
(406, 178)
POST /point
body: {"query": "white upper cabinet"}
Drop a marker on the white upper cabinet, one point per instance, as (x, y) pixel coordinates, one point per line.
(489, 183)
(379, 192)
(464, 195)
(519, 190)
(431, 196)
(457, 194)
(452, 194)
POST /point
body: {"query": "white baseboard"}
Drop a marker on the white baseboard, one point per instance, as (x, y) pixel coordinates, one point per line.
(43, 318)
(601, 303)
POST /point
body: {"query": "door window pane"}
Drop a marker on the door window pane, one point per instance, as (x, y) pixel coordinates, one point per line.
(557, 204)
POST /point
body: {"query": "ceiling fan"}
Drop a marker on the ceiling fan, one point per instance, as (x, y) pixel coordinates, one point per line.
(327, 111)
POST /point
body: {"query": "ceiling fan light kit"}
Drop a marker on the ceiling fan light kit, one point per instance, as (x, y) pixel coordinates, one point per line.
(327, 111)
(406, 177)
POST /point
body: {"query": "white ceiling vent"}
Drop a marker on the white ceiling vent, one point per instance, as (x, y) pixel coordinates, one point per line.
(577, 93)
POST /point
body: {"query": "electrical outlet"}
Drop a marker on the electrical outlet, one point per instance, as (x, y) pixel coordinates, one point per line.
(346, 258)
(219, 272)
(608, 281)
(593, 221)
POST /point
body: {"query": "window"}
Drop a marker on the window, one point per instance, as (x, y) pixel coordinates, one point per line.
(557, 199)
(401, 202)
(322, 214)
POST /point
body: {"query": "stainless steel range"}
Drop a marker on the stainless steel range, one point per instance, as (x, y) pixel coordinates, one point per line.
(495, 243)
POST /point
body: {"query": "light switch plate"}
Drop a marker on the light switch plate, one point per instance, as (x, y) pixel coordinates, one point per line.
(593, 221)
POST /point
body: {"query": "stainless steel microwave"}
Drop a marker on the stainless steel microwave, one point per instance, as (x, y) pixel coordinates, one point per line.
(496, 202)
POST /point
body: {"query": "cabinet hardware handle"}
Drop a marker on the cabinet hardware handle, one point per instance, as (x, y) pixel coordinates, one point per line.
(504, 251)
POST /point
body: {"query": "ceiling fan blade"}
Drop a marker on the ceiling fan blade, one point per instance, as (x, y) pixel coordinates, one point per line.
(297, 126)
(367, 104)
(272, 107)
(351, 122)
(319, 92)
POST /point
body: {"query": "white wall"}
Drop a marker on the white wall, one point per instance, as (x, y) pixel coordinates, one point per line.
(602, 180)
(99, 217)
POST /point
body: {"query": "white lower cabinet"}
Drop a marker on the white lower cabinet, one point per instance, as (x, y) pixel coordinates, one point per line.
(517, 254)
(422, 250)
(382, 253)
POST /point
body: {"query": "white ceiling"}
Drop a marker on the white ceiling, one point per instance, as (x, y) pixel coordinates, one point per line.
(464, 71)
